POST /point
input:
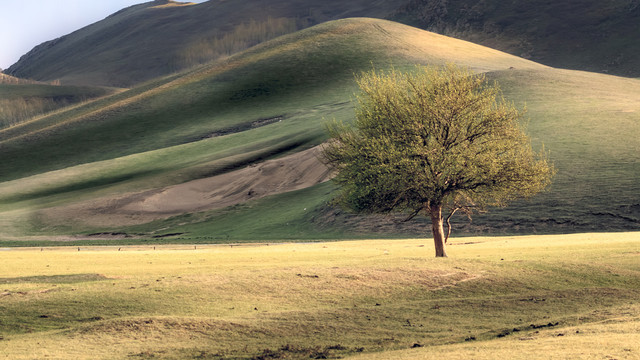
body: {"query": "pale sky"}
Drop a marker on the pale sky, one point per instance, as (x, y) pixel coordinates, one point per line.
(27, 23)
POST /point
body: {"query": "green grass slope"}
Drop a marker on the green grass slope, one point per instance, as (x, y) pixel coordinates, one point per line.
(275, 99)
(303, 80)
(590, 124)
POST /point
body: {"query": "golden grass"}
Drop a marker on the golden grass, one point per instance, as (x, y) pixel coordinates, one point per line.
(334, 299)
(614, 338)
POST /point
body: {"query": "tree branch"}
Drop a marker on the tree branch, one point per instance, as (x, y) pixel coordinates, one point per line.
(412, 215)
(446, 238)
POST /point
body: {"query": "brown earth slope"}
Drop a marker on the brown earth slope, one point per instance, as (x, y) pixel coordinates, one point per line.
(292, 172)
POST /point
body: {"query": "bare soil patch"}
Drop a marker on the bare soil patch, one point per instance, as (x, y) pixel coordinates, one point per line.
(292, 172)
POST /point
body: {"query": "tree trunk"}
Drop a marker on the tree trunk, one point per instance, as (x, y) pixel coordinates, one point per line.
(435, 212)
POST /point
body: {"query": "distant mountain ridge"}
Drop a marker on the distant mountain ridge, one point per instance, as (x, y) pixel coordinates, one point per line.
(157, 38)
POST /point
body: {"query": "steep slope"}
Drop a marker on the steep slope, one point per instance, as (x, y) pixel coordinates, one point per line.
(588, 122)
(285, 80)
(121, 160)
(590, 125)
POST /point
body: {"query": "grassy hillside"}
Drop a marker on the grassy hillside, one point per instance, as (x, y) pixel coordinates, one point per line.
(567, 296)
(157, 38)
(301, 80)
(133, 44)
(105, 166)
(588, 35)
(590, 125)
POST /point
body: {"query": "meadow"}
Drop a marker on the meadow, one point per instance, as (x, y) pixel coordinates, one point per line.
(98, 260)
(70, 172)
(556, 296)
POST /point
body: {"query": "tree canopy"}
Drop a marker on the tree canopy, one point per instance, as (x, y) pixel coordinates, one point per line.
(433, 140)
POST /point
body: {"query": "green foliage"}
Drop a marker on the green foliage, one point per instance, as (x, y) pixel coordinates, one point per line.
(432, 139)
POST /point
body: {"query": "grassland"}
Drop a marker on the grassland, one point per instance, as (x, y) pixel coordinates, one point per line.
(304, 79)
(568, 296)
(68, 174)
(273, 100)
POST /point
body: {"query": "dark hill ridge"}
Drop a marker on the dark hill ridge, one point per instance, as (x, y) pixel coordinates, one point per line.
(592, 35)
(156, 38)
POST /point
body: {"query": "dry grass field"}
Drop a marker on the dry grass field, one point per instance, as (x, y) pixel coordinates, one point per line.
(567, 296)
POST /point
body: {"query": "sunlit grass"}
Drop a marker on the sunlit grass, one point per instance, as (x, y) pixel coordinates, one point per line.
(335, 298)
(615, 338)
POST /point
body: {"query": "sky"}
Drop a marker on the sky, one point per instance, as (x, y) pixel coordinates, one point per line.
(27, 23)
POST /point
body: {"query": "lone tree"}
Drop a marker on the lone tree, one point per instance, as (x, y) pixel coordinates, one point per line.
(433, 142)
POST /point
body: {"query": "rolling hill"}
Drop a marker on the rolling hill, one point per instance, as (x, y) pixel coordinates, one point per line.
(161, 37)
(118, 164)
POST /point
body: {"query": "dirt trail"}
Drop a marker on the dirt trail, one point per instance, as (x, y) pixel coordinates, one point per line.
(292, 172)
